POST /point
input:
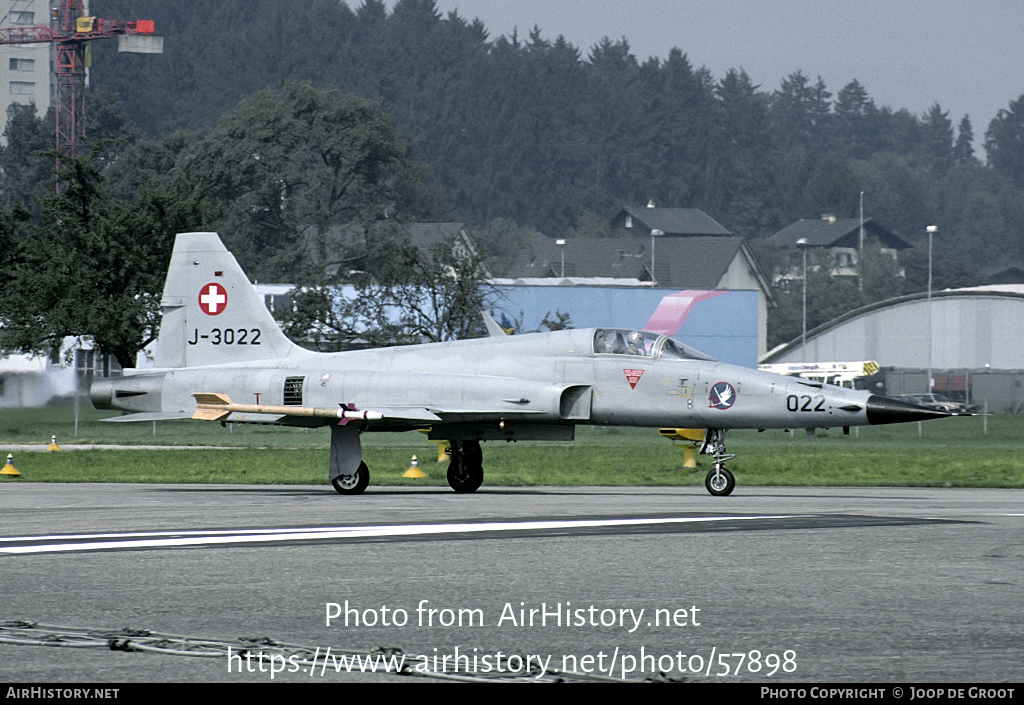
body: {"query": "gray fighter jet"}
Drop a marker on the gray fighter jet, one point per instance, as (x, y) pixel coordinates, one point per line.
(222, 357)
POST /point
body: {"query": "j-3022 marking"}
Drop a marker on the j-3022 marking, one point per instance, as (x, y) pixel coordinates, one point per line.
(228, 336)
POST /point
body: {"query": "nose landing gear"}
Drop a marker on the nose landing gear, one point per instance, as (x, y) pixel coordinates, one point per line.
(719, 481)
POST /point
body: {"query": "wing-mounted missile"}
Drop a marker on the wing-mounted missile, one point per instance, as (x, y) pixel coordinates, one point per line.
(218, 407)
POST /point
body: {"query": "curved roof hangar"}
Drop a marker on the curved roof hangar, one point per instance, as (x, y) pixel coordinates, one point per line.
(969, 329)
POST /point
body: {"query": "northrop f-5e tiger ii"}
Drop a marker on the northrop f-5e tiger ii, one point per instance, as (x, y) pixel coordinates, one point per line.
(222, 357)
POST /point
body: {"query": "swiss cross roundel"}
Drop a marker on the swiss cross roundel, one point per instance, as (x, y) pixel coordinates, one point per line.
(213, 299)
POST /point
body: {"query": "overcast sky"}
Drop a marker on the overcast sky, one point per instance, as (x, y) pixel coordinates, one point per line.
(967, 55)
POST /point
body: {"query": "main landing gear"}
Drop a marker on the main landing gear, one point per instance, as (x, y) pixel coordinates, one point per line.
(719, 481)
(354, 483)
(466, 471)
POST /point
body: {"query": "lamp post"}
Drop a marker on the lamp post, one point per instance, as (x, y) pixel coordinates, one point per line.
(561, 248)
(654, 233)
(931, 229)
(802, 244)
(860, 247)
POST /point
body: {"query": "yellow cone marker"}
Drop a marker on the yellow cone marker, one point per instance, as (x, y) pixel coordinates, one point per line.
(53, 443)
(414, 469)
(9, 468)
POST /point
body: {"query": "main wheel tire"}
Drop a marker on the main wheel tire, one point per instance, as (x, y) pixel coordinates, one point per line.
(465, 471)
(352, 484)
(720, 484)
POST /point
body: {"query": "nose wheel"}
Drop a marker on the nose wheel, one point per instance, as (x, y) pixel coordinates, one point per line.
(719, 481)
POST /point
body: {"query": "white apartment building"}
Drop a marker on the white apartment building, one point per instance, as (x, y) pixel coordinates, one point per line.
(26, 71)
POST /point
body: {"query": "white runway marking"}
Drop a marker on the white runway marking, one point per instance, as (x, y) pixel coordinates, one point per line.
(178, 539)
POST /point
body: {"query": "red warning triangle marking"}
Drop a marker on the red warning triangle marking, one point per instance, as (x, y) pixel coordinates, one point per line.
(633, 376)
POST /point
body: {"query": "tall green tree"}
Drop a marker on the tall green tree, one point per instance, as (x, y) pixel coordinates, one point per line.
(822, 185)
(92, 266)
(673, 133)
(937, 131)
(740, 181)
(855, 114)
(895, 193)
(502, 241)
(25, 169)
(801, 113)
(285, 164)
(1004, 142)
(411, 297)
(963, 149)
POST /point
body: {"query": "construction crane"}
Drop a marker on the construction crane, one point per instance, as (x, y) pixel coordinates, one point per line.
(71, 31)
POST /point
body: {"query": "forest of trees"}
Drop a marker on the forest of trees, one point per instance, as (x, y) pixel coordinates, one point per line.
(512, 134)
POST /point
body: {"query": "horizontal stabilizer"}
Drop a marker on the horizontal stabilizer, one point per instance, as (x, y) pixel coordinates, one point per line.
(494, 328)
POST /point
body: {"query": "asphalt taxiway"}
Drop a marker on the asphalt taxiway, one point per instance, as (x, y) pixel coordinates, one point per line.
(768, 585)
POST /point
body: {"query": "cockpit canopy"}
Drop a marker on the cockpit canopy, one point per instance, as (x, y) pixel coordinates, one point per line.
(614, 341)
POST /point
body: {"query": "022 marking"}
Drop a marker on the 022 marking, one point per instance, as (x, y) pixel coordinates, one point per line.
(805, 403)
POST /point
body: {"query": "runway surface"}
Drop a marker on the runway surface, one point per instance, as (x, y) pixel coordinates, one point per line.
(768, 585)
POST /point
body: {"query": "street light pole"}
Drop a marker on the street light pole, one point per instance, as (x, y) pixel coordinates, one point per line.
(932, 229)
(860, 247)
(654, 233)
(802, 244)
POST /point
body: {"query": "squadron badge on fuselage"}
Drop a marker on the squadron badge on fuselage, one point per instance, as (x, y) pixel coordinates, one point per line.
(723, 396)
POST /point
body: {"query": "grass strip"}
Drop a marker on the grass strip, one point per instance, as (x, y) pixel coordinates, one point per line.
(956, 452)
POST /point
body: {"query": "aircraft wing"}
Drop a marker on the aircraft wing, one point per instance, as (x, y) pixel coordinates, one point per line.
(150, 416)
(463, 414)
(406, 413)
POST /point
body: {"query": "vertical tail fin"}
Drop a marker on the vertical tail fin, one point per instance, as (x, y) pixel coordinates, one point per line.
(211, 313)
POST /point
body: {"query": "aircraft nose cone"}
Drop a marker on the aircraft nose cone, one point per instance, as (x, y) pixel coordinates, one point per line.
(882, 410)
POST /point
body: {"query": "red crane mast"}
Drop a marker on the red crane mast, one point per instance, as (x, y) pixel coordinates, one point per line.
(70, 31)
